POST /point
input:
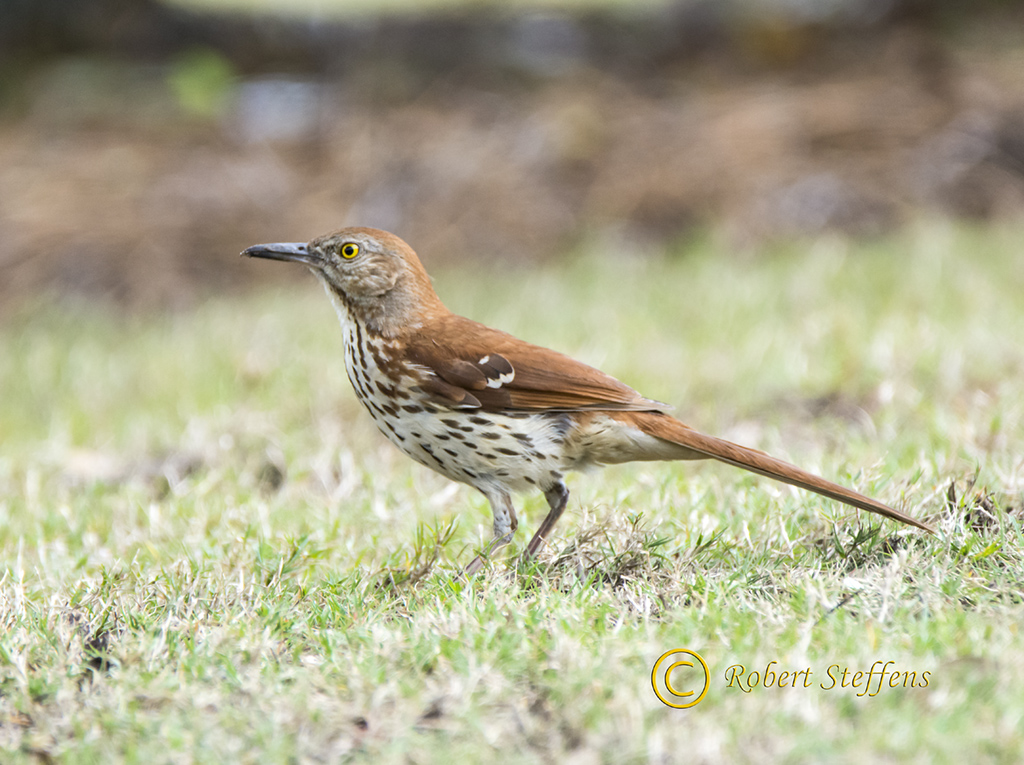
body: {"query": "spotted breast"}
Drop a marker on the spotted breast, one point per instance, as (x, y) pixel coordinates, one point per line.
(464, 445)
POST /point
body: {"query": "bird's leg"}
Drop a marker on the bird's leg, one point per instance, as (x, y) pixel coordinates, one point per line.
(557, 496)
(505, 525)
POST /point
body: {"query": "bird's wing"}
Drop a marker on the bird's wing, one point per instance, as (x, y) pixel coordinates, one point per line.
(471, 366)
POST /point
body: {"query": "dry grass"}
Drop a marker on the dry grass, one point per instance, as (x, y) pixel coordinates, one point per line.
(209, 555)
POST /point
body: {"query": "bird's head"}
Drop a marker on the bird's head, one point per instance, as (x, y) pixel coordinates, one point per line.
(372, 275)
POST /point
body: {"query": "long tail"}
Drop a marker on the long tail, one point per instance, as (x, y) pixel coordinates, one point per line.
(672, 430)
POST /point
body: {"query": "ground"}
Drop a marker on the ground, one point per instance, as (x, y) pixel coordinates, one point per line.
(209, 553)
(139, 182)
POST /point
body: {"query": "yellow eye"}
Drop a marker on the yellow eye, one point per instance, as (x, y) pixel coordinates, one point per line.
(349, 251)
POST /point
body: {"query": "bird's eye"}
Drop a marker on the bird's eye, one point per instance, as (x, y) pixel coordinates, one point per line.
(349, 251)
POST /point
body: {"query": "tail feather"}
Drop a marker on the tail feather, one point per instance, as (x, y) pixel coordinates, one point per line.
(670, 429)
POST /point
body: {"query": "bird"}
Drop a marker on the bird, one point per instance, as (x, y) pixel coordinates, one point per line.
(484, 408)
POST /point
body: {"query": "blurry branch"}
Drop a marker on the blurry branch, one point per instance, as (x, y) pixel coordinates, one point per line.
(630, 38)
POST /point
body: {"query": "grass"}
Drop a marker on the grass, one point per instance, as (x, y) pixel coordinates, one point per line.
(208, 554)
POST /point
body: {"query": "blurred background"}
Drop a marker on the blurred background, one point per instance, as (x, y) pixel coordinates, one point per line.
(144, 143)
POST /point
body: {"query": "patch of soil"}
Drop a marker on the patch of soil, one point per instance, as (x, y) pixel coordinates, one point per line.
(111, 190)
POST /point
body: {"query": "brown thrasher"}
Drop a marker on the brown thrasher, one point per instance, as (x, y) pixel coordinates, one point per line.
(484, 408)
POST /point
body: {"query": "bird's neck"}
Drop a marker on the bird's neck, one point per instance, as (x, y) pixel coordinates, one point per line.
(404, 309)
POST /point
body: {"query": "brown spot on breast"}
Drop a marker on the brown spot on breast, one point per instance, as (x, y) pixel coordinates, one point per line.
(378, 358)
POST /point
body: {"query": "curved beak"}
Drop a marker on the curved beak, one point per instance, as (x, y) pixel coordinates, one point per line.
(295, 252)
